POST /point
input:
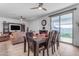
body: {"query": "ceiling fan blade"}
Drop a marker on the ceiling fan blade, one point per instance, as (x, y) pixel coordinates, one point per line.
(44, 9)
(35, 8)
(40, 6)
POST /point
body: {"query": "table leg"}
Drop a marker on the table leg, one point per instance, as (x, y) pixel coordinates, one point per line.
(34, 49)
(24, 45)
(37, 49)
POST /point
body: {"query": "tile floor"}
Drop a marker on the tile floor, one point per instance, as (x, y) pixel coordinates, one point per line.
(7, 49)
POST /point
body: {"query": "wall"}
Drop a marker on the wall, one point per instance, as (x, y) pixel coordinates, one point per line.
(76, 27)
(12, 21)
(36, 24)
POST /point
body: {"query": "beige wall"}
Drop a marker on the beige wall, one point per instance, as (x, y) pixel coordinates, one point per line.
(35, 25)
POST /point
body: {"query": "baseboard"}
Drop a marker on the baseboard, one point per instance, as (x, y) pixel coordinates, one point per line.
(18, 43)
(4, 40)
(65, 42)
(69, 44)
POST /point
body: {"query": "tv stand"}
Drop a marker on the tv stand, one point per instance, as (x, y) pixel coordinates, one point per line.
(6, 27)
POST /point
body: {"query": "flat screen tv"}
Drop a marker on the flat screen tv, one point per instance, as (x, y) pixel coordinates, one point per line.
(15, 27)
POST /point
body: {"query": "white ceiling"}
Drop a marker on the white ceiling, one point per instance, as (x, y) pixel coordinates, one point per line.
(15, 10)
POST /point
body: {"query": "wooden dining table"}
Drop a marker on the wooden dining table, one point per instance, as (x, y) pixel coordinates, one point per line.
(38, 39)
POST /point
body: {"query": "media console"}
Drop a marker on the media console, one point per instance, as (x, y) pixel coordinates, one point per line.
(13, 27)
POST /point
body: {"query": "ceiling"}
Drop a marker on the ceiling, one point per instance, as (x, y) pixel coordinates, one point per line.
(15, 10)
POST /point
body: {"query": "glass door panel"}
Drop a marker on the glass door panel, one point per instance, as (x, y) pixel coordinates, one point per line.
(66, 28)
(55, 23)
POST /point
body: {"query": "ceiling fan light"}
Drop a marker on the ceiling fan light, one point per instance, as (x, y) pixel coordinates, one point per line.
(40, 8)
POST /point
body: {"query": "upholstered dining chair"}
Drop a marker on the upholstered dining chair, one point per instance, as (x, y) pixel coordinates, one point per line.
(48, 42)
(31, 43)
(55, 40)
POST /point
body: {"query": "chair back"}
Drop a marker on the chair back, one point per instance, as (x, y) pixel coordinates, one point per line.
(55, 37)
(49, 38)
(29, 36)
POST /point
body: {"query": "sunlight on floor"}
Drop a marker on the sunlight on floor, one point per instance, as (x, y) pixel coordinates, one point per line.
(68, 40)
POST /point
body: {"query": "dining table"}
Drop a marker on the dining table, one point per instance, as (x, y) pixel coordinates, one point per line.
(37, 39)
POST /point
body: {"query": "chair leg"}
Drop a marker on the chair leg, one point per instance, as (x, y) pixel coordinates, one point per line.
(52, 49)
(47, 52)
(43, 52)
(24, 46)
(34, 51)
(28, 52)
(57, 45)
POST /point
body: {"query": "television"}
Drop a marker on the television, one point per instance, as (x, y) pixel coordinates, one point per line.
(15, 27)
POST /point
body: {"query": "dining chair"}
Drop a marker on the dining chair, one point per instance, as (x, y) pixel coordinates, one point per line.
(55, 40)
(31, 44)
(47, 44)
(29, 41)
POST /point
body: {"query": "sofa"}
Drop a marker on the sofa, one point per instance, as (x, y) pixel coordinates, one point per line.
(17, 37)
(4, 37)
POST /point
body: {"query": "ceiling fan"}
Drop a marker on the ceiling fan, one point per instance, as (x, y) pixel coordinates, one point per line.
(40, 7)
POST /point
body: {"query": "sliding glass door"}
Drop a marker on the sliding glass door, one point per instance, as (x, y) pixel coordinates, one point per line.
(55, 23)
(63, 24)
